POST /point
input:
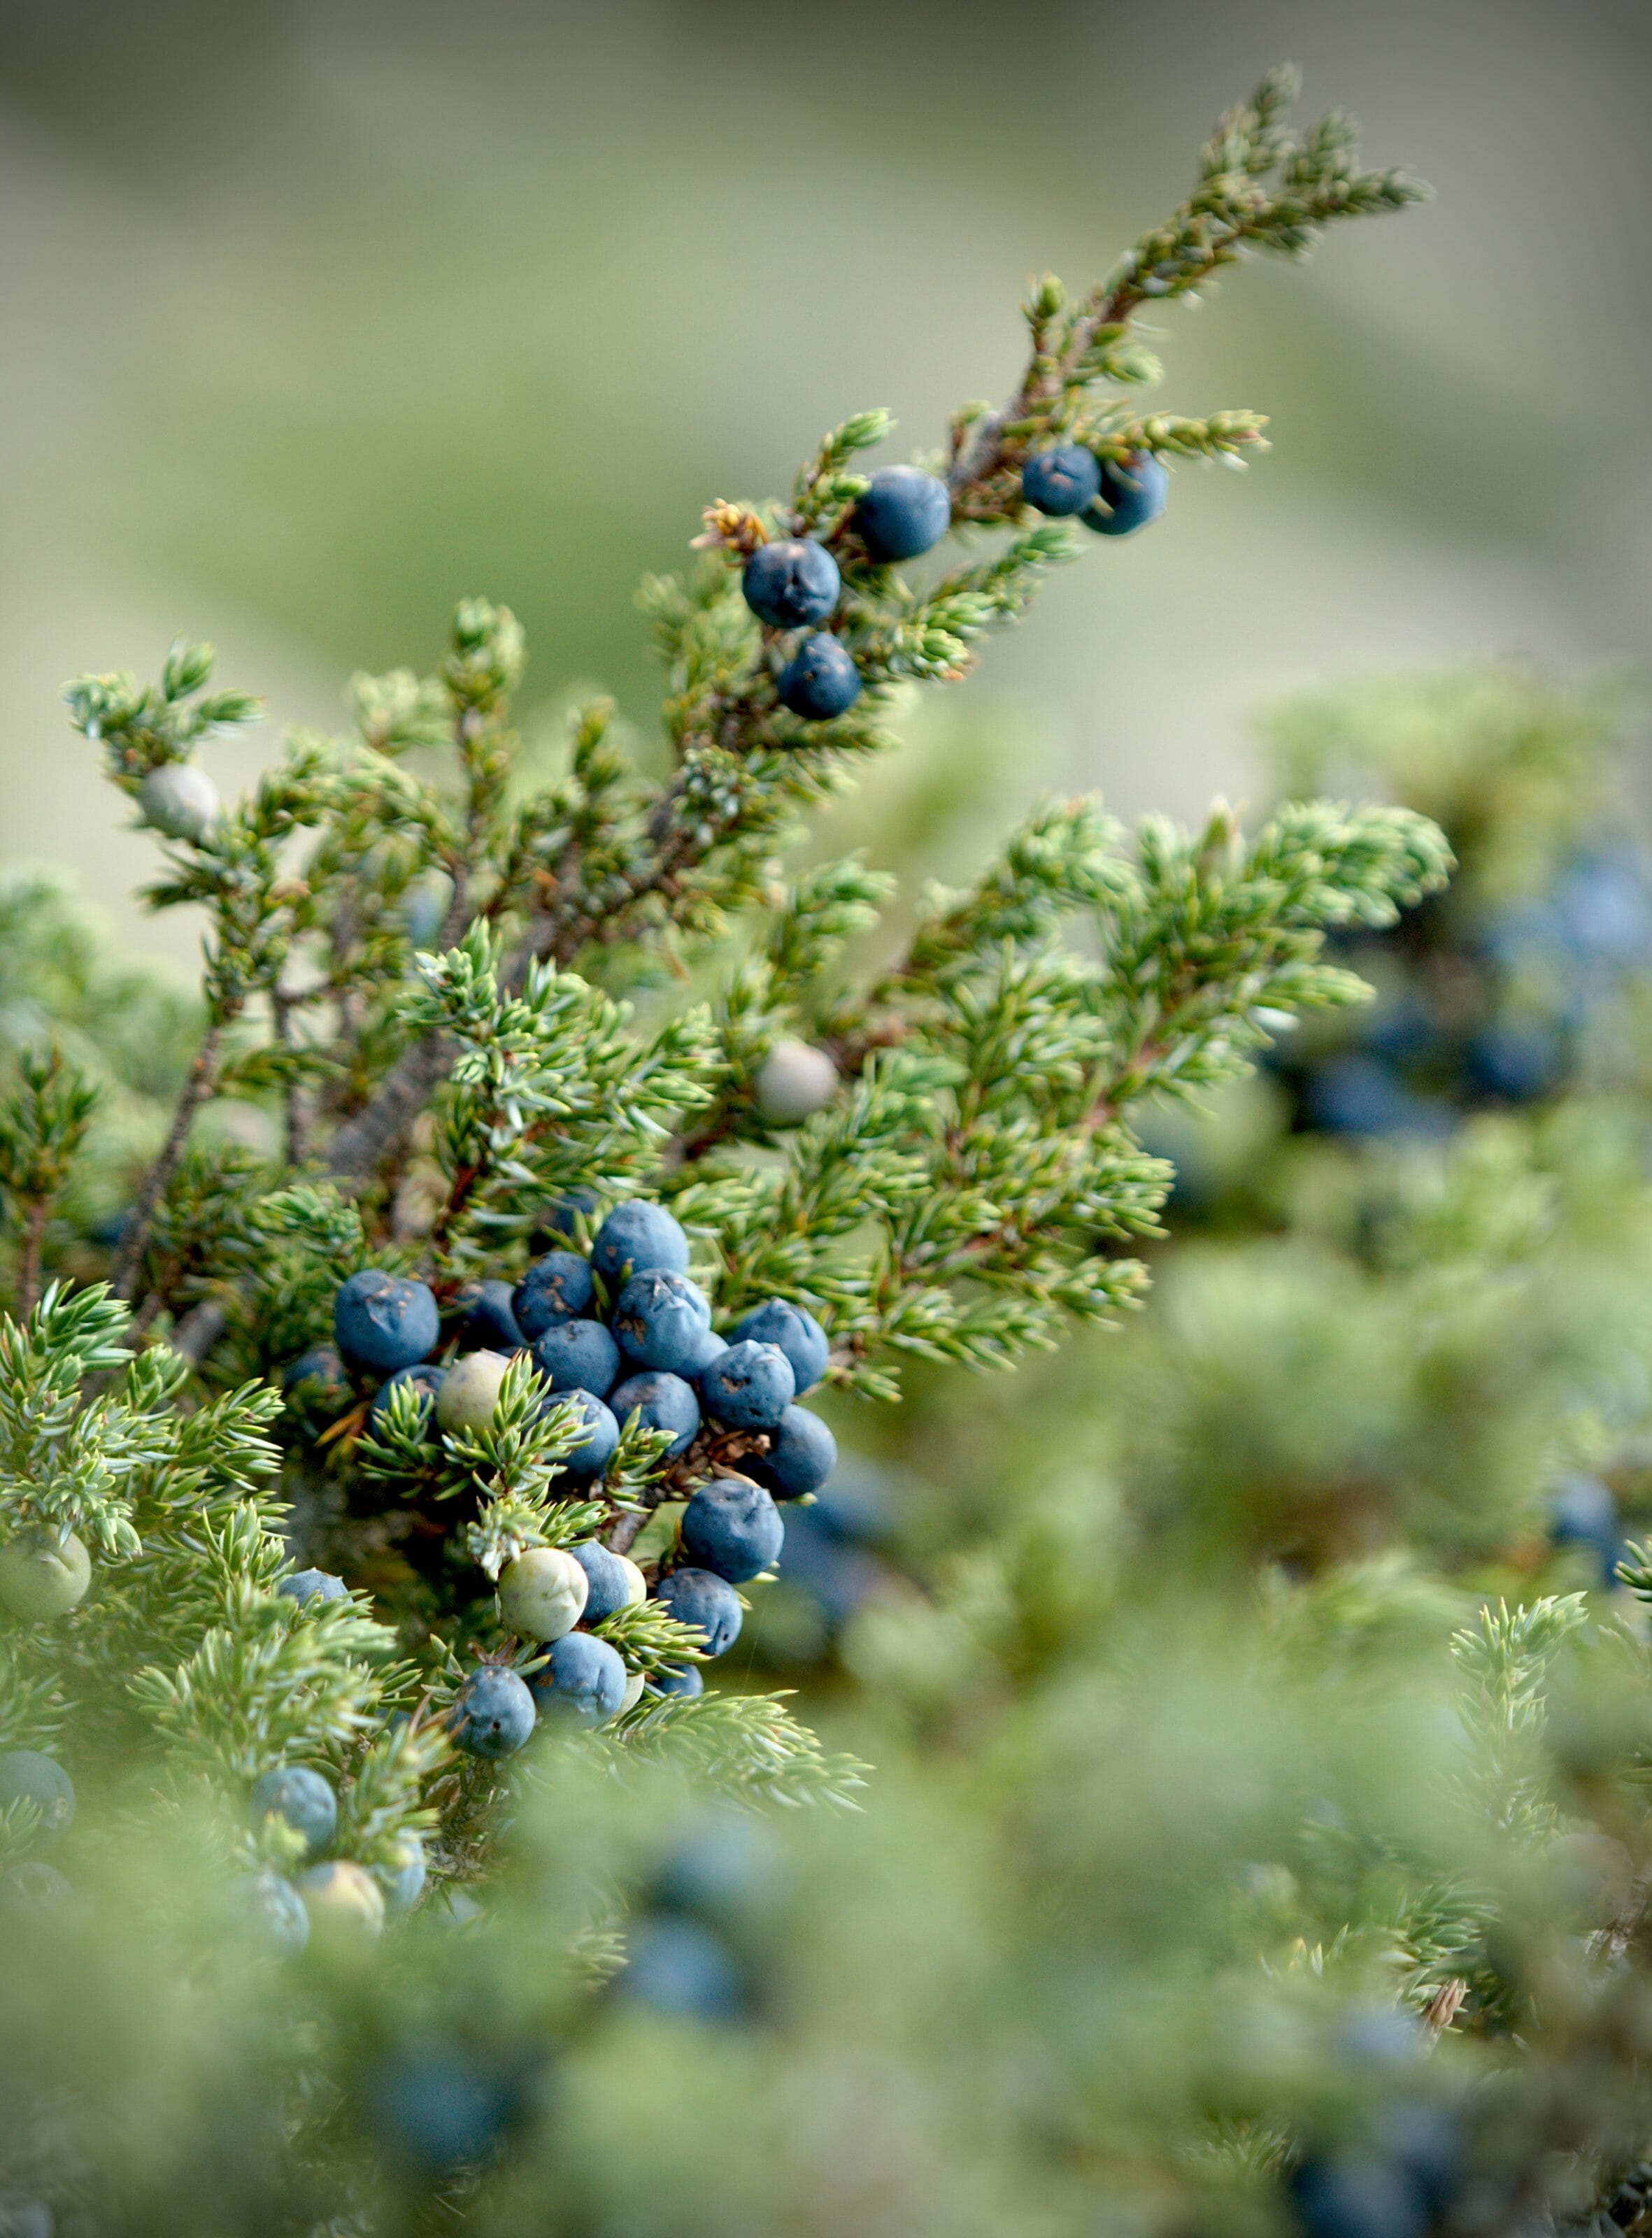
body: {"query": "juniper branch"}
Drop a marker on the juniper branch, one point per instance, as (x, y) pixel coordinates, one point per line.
(1258, 189)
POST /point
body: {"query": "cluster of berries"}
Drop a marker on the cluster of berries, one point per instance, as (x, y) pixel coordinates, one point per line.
(335, 1893)
(1113, 496)
(39, 1783)
(622, 1337)
(1400, 2156)
(690, 1947)
(795, 584)
(1476, 1008)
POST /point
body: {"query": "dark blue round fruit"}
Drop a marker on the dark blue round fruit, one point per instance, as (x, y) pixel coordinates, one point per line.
(793, 585)
(827, 1571)
(555, 1288)
(613, 1580)
(1356, 1094)
(26, 1776)
(488, 1320)
(637, 1235)
(314, 1586)
(677, 1967)
(316, 1378)
(601, 1428)
(660, 1320)
(585, 1679)
(1425, 2138)
(275, 1909)
(796, 1331)
(663, 1402)
(1516, 1060)
(684, 1679)
(1133, 492)
(1357, 2193)
(426, 1380)
(712, 1348)
(493, 1713)
(705, 1601)
(301, 1797)
(820, 680)
(382, 1322)
(578, 1356)
(438, 2107)
(749, 1386)
(1061, 482)
(904, 512)
(720, 1868)
(733, 1529)
(801, 1456)
(1582, 1511)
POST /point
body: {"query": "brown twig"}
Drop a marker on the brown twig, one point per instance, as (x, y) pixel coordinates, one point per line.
(34, 1238)
(204, 1075)
(199, 1330)
(293, 1108)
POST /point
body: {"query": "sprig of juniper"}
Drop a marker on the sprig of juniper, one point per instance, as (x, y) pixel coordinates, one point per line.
(1261, 187)
(603, 858)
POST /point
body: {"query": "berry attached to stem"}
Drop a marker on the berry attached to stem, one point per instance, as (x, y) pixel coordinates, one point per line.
(41, 1577)
(792, 586)
(904, 512)
(820, 680)
(1061, 482)
(1133, 492)
(542, 1593)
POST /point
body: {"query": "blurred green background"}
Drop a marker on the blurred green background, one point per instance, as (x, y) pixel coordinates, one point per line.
(320, 315)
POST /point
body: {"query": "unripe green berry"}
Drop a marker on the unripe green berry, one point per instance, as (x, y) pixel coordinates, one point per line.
(343, 1900)
(542, 1593)
(39, 1579)
(181, 800)
(470, 1391)
(794, 1081)
(632, 1692)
